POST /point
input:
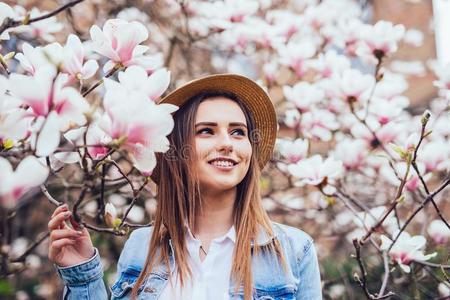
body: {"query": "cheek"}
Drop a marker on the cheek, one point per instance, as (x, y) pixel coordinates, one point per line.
(244, 150)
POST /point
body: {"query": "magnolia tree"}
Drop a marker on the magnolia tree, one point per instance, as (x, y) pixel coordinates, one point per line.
(79, 124)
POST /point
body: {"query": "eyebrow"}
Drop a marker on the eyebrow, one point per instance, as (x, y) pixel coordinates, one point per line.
(215, 124)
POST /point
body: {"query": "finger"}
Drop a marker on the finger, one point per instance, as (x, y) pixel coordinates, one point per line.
(64, 233)
(58, 220)
(58, 244)
(75, 224)
(59, 209)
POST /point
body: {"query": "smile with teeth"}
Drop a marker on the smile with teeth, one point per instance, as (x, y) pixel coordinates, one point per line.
(222, 163)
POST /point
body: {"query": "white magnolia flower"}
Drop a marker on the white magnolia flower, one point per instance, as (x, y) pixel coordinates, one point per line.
(303, 95)
(316, 171)
(14, 183)
(439, 232)
(294, 150)
(406, 249)
(352, 153)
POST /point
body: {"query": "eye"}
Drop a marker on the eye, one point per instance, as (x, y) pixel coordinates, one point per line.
(239, 131)
(204, 130)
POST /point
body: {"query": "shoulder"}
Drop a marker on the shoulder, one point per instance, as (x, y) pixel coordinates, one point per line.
(136, 247)
(298, 240)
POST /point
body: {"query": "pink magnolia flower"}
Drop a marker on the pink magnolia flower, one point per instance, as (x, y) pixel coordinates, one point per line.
(379, 40)
(318, 124)
(392, 85)
(292, 118)
(54, 107)
(443, 73)
(316, 171)
(303, 95)
(230, 10)
(294, 150)
(139, 126)
(119, 41)
(352, 153)
(14, 183)
(330, 64)
(355, 86)
(31, 59)
(385, 111)
(406, 250)
(295, 54)
(74, 63)
(435, 155)
(135, 80)
(439, 232)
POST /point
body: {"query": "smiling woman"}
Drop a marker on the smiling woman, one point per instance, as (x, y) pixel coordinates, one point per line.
(211, 237)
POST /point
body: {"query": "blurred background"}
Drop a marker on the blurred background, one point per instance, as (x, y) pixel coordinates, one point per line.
(194, 49)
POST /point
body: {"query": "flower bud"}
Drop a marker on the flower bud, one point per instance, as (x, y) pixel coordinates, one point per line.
(110, 215)
(425, 117)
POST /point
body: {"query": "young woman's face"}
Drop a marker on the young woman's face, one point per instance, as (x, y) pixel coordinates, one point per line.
(222, 144)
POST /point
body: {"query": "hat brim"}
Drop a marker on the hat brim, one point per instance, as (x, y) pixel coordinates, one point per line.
(249, 92)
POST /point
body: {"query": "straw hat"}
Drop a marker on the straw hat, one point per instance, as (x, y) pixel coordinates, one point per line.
(249, 92)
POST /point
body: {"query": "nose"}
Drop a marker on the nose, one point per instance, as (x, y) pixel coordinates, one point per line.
(224, 143)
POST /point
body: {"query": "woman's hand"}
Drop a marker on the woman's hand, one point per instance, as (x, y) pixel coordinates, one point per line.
(67, 246)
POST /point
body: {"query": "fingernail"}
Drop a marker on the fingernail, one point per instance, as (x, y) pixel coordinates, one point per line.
(67, 214)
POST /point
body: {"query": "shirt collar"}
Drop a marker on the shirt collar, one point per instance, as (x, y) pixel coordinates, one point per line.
(262, 238)
(231, 234)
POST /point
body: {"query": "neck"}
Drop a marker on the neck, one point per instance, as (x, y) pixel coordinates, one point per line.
(216, 215)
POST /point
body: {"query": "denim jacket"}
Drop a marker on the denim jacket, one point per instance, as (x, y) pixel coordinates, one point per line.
(301, 281)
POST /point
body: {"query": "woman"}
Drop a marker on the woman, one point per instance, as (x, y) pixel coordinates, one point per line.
(211, 237)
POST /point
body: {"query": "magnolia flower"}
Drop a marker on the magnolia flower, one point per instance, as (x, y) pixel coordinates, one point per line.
(435, 155)
(303, 95)
(406, 249)
(315, 171)
(355, 86)
(385, 111)
(294, 55)
(119, 41)
(444, 289)
(31, 59)
(380, 40)
(318, 124)
(230, 10)
(390, 86)
(330, 64)
(439, 232)
(14, 183)
(292, 118)
(55, 108)
(443, 74)
(137, 125)
(413, 37)
(352, 153)
(74, 63)
(135, 80)
(294, 150)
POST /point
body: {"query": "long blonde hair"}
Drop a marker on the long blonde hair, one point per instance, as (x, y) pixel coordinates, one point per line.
(179, 199)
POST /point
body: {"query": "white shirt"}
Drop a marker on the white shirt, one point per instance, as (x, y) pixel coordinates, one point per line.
(210, 277)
